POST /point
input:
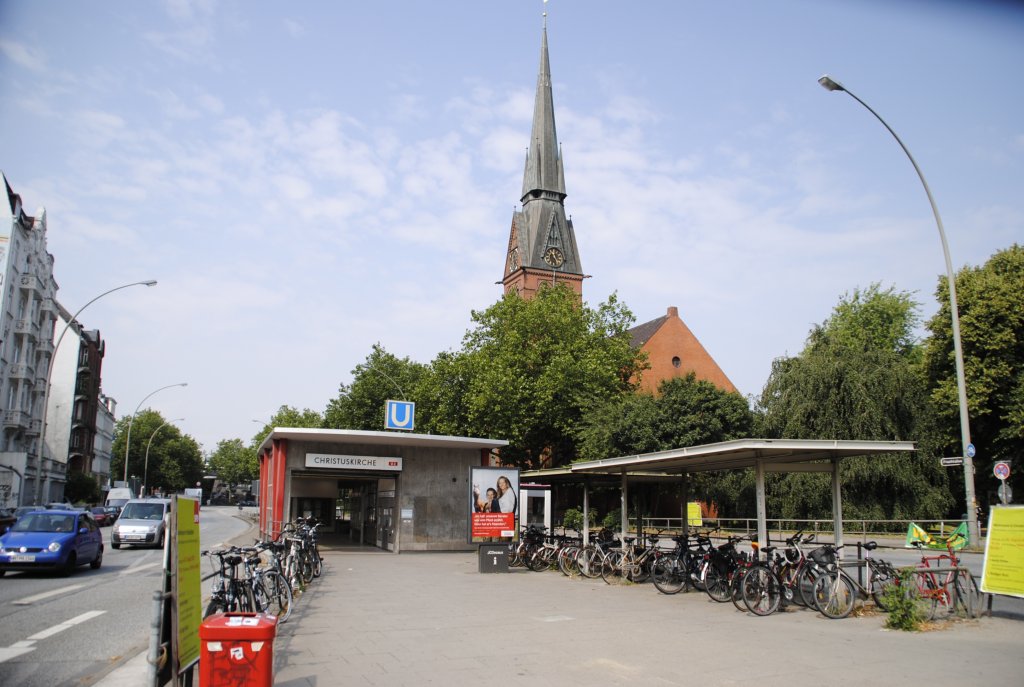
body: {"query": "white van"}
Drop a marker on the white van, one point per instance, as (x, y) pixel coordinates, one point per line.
(118, 497)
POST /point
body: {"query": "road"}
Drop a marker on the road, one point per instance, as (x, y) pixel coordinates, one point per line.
(71, 630)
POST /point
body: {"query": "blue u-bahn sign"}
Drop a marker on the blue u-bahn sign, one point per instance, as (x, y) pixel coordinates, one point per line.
(400, 415)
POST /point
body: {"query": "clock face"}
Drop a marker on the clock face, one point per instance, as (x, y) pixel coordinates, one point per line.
(513, 261)
(553, 257)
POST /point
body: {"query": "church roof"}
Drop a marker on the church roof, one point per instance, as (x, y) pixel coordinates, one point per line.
(642, 333)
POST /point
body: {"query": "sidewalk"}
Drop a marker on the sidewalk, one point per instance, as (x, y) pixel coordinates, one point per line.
(413, 619)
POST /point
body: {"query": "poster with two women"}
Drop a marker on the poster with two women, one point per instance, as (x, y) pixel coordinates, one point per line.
(493, 505)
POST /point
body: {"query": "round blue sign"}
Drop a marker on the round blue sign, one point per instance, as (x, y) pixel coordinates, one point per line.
(970, 450)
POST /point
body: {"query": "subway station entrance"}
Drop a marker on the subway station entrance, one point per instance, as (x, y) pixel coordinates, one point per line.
(386, 490)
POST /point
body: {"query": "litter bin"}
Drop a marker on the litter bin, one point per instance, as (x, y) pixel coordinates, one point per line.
(237, 649)
(494, 558)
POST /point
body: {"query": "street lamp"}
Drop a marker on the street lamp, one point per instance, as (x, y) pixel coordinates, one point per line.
(974, 535)
(145, 471)
(388, 377)
(49, 373)
(128, 438)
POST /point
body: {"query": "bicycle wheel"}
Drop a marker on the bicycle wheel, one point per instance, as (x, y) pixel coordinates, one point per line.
(306, 567)
(591, 562)
(615, 568)
(736, 589)
(318, 563)
(921, 590)
(883, 576)
(761, 591)
(243, 597)
(968, 596)
(716, 584)
(537, 560)
(834, 595)
(278, 595)
(669, 575)
(216, 605)
(805, 585)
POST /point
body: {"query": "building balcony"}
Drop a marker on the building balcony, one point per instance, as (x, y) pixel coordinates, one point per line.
(16, 418)
(26, 327)
(19, 371)
(34, 427)
(45, 347)
(47, 306)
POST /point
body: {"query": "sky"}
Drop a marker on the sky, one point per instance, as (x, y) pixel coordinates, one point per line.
(307, 179)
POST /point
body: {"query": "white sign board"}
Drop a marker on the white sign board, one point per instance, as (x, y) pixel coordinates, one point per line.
(338, 462)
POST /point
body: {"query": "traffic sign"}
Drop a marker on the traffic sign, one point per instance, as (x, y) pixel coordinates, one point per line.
(951, 461)
(1005, 493)
(971, 451)
(1001, 470)
(399, 415)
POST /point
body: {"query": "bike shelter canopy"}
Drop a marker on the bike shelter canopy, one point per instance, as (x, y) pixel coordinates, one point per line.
(763, 455)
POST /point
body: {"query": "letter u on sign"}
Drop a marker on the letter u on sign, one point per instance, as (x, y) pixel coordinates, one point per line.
(399, 415)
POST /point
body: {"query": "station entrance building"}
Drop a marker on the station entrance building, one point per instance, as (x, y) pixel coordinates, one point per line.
(394, 491)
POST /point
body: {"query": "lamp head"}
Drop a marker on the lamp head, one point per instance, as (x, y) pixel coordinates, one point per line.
(151, 282)
(830, 84)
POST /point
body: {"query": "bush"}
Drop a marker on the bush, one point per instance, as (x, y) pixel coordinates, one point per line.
(573, 519)
(905, 613)
(612, 520)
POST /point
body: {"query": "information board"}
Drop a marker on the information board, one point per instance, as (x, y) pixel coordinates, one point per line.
(188, 597)
(1004, 552)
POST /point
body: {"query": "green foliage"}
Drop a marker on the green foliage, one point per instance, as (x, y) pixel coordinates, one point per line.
(381, 377)
(530, 370)
(613, 520)
(573, 519)
(991, 308)
(233, 462)
(901, 599)
(858, 377)
(168, 459)
(81, 488)
(686, 412)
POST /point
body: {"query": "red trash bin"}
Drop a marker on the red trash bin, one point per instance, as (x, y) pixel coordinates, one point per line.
(237, 649)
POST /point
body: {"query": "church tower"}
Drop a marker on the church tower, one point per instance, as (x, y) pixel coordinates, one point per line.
(541, 244)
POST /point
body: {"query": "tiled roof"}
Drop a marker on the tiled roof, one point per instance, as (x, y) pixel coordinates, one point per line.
(641, 334)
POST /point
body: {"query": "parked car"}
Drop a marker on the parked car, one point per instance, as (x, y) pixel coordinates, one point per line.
(7, 518)
(57, 540)
(101, 515)
(143, 522)
(112, 513)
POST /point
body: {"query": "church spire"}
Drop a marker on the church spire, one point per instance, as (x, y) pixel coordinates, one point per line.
(544, 160)
(542, 242)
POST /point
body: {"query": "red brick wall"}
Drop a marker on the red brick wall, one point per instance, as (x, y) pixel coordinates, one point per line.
(675, 340)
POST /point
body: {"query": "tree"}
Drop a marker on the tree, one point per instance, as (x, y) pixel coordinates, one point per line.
(233, 462)
(530, 370)
(991, 308)
(175, 459)
(858, 377)
(81, 488)
(686, 412)
(381, 377)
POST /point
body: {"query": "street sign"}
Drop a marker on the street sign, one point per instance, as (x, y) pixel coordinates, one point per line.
(971, 450)
(951, 461)
(399, 415)
(1005, 493)
(1001, 470)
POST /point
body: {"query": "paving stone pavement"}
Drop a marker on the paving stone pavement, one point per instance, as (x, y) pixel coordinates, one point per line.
(418, 619)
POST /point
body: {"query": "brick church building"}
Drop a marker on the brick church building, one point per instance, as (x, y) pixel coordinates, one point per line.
(542, 249)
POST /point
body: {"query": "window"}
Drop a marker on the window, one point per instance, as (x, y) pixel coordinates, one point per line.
(676, 362)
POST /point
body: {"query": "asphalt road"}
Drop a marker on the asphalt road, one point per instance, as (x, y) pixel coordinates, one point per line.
(72, 630)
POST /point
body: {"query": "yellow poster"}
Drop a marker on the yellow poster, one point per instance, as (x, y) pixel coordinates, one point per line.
(188, 596)
(1004, 552)
(693, 515)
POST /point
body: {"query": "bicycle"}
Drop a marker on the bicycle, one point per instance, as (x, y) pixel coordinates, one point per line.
(270, 589)
(680, 569)
(836, 591)
(230, 592)
(630, 563)
(955, 591)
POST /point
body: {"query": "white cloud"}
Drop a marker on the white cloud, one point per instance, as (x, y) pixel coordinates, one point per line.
(23, 55)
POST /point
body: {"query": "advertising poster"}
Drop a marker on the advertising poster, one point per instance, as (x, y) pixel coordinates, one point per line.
(1003, 571)
(493, 505)
(188, 597)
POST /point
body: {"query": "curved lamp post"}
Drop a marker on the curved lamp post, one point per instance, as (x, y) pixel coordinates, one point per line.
(145, 471)
(831, 84)
(49, 373)
(388, 377)
(128, 438)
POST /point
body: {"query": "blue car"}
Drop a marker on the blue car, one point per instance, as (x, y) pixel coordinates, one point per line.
(57, 540)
